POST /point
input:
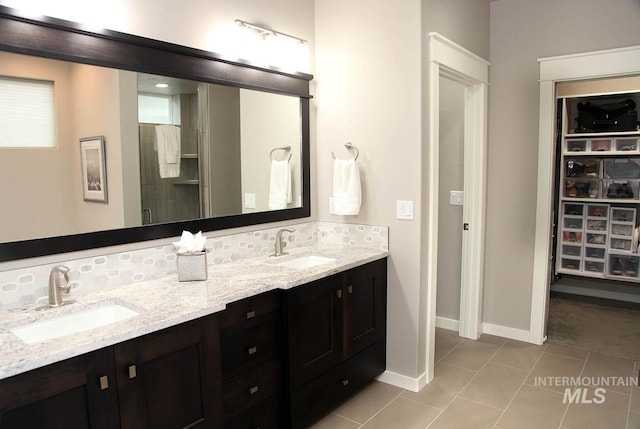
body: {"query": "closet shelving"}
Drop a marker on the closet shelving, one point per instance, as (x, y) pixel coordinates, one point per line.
(599, 194)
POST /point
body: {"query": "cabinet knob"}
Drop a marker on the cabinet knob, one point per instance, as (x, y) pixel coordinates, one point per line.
(350, 289)
(132, 372)
(344, 382)
(251, 314)
(104, 382)
(253, 390)
(252, 350)
(339, 293)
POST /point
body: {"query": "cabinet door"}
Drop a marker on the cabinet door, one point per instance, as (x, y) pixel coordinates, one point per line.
(75, 393)
(365, 301)
(315, 328)
(171, 378)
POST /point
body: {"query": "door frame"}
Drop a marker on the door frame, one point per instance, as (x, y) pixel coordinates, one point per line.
(589, 65)
(448, 59)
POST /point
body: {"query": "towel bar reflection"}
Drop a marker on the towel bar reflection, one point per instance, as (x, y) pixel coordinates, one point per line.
(349, 146)
(284, 148)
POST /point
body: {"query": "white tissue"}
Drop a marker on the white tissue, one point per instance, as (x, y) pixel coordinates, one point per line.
(190, 243)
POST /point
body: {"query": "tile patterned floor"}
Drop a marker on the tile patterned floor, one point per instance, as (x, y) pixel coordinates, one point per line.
(496, 383)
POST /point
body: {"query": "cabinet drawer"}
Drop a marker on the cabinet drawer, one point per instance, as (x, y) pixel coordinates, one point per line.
(596, 224)
(573, 222)
(622, 229)
(319, 396)
(594, 266)
(266, 415)
(572, 237)
(250, 347)
(598, 239)
(251, 387)
(570, 264)
(626, 144)
(594, 252)
(623, 266)
(247, 311)
(570, 250)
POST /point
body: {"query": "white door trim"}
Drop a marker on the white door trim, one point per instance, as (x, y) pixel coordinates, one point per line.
(449, 59)
(589, 65)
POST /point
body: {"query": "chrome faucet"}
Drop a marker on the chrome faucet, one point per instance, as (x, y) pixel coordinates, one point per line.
(58, 284)
(280, 243)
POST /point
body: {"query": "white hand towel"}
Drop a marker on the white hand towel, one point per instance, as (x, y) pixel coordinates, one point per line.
(280, 185)
(168, 145)
(346, 198)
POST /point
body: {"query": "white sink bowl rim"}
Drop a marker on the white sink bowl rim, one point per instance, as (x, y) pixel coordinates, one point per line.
(72, 323)
(305, 261)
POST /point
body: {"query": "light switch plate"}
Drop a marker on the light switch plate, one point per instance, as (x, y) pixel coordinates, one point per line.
(456, 198)
(404, 210)
(250, 201)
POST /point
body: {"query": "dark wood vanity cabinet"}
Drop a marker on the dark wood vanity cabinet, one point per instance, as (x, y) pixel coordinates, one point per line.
(251, 353)
(76, 393)
(275, 360)
(337, 339)
(171, 378)
(167, 379)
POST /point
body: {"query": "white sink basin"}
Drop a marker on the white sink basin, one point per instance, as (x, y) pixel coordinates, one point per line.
(306, 261)
(73, 323)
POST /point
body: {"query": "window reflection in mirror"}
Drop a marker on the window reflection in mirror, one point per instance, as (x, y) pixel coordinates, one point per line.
(222, 167)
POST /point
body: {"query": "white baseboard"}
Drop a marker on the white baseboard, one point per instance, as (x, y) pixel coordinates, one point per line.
(402, 381)
(506, 332)
(415, 384)
(450, 324)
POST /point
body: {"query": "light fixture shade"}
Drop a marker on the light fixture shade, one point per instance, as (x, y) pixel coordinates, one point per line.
(266, 47)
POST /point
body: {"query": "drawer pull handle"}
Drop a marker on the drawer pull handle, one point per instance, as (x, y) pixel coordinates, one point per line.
(251, 314)
(350, 289)
(344, 382)
(339, 293)
(104, 382)
(253, 390)
(132, 372)
(252, 350)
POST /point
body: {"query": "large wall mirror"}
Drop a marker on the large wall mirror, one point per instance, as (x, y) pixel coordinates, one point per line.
(191, 142)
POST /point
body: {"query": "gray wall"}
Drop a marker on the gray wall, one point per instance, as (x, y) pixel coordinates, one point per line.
(450, 216)
(465, 22)
(225, 159)
(521, 32)
(370, 79)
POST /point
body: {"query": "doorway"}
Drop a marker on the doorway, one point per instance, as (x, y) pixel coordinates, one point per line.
(591, 65)
(453, 62)
(450, 207)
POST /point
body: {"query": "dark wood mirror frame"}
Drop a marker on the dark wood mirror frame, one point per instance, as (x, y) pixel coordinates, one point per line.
(64, 40)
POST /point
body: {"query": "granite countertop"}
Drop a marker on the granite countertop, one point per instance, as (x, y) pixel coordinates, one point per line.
(165, 302)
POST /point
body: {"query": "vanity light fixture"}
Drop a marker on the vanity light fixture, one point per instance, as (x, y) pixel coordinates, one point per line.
(265, 32)
(161, 85)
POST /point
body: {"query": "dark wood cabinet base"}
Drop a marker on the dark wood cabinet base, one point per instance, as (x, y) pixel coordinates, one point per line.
(313, 400)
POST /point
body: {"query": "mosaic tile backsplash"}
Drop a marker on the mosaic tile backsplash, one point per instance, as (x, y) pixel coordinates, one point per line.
(26, 286)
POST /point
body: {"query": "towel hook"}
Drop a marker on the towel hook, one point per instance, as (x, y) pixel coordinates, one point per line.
(284, 148)
(349, 145)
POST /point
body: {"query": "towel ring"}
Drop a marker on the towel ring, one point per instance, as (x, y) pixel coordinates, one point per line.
(349, 146)
(284, 148)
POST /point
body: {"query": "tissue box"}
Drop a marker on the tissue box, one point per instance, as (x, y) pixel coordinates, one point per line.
(192, 266)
